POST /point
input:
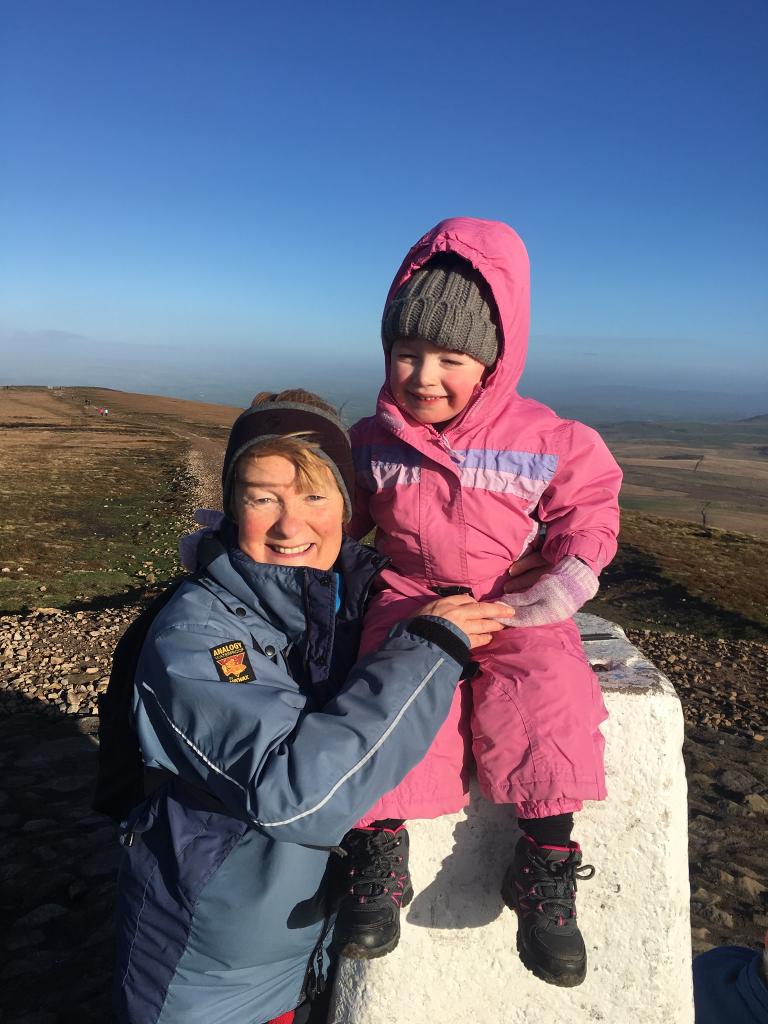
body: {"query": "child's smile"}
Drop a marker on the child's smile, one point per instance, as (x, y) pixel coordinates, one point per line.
(433, 384)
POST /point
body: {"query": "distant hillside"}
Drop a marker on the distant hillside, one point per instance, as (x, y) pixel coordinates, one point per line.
(105, 497)
(712, 474)
(693, 433)
(685, 578)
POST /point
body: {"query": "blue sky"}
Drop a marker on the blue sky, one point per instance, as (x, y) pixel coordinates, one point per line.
(204, 198)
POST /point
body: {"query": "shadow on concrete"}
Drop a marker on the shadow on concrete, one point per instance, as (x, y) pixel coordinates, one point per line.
(460, 895)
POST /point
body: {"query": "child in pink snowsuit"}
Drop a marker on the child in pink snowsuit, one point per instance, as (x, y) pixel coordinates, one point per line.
(462, 478)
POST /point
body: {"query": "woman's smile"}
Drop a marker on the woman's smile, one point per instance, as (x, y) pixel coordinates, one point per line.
(289, 552)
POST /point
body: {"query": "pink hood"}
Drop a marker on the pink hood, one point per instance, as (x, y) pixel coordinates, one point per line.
(458, 506)
(497, 252)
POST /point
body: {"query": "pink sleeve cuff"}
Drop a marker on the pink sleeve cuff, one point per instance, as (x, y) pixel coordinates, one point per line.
(588, 548)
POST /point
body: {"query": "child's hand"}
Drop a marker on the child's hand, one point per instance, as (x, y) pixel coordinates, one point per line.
(525, 572)
(209, 519)
(478, 619)
(555, 596)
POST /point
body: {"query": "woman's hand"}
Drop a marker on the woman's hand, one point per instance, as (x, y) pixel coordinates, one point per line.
(478, 619)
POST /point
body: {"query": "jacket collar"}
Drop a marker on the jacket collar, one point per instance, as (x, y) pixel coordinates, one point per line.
(275, 594)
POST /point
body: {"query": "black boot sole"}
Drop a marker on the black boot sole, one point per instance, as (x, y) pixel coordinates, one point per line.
(355, 952)
(568, 979)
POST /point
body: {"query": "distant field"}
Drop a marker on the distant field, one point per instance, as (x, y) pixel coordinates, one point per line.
(689, 471)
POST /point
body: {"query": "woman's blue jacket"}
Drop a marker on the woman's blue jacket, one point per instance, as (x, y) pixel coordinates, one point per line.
(271, 743)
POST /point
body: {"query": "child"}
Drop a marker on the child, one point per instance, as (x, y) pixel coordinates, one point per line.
(461, 476)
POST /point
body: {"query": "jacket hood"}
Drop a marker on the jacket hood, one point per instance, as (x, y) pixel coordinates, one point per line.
(497, 252)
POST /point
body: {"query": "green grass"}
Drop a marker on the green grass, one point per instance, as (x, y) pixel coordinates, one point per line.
(98, 526)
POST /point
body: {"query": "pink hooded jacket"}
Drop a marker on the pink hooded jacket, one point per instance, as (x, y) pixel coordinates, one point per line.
(458, 507)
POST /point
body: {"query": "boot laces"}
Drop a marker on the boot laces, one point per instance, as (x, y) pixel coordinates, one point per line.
(553, 885)
(375, 865)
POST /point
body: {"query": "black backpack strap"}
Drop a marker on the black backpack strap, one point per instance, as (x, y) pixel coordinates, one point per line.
(122, 781)
(120, 773)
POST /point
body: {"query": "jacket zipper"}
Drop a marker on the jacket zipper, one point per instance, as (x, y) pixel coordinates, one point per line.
(305, 598)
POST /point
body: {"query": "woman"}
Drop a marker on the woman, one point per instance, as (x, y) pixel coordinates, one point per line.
(264, 739)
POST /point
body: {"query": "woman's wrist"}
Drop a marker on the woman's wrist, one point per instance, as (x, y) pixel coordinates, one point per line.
(443, 634)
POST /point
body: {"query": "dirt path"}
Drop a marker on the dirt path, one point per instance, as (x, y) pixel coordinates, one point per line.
(203, 460)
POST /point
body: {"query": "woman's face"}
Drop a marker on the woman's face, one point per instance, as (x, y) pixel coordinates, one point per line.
(277, 524)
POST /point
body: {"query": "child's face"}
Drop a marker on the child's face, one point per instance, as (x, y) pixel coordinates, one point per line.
(433, 384)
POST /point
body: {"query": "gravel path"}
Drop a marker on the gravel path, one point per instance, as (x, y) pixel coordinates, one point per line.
(203, 461)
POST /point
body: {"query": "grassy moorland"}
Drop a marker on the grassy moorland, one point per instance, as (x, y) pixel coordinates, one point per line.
(91, 508)
(677, 576)
(713, 474)
(693, 553)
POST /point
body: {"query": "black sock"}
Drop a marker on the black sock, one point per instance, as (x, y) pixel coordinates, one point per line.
(553, 831)
(393, 824)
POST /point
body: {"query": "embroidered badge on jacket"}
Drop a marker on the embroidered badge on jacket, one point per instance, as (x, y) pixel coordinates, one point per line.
(232, 662)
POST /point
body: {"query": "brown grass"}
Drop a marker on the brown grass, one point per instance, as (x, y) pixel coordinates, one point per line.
(687, 471)
(675, 575)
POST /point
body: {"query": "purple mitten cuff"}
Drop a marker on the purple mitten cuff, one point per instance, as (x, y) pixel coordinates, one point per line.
(555, 596)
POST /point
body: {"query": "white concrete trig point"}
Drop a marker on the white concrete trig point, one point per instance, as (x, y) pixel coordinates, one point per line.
(457, 962)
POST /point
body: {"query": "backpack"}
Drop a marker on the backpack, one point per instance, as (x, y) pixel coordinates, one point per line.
(120, 773)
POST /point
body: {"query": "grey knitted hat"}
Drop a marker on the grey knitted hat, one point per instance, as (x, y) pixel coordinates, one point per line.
(448, 303)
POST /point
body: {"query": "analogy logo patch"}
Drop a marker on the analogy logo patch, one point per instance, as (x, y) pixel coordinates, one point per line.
(232, 662)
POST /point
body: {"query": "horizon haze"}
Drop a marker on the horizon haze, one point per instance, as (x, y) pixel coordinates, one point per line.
(192, 200)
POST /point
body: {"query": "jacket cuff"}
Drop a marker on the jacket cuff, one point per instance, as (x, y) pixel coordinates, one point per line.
(588, 550)
(438, 632)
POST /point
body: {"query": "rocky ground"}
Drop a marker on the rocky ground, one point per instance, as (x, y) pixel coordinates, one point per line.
(723, 686)
(57, 873)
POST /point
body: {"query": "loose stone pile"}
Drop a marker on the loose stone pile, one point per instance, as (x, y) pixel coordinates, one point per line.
(723, 684)
(59, 859)
(58, 660)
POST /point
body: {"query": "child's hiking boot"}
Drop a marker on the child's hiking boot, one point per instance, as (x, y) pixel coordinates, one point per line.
(378, 885)
(540, 884)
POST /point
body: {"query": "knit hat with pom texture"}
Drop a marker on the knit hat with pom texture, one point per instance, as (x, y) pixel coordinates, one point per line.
(448, 303)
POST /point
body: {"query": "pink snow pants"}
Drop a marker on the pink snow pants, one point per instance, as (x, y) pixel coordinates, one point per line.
(534, 721)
